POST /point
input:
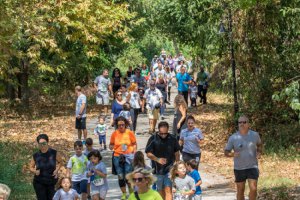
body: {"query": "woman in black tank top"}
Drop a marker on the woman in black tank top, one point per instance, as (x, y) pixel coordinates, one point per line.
(116, 78)
(180, 114)
(45, 165)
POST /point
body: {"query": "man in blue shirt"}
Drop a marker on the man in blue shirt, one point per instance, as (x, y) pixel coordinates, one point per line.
(183, 81)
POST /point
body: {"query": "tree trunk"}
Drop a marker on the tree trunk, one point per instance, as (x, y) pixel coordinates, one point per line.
(176, 46)
(24, 77)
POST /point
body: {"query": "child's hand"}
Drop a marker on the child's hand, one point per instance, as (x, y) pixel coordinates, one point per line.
(89, 173)
(37, 172)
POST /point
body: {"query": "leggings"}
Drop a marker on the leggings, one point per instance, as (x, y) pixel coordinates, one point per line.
(134, 115)
(43, 191)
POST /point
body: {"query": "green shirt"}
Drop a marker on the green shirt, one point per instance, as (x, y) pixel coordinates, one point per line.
(202, 77)
(150, 195)
(144, 72)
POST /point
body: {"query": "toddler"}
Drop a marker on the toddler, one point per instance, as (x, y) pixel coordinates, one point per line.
(100, 130)
(192, 167)
(65, 191)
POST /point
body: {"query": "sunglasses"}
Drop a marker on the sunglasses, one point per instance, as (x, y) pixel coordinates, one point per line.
(43, 143)
(119, 94)
(242, 122)
(137, 179)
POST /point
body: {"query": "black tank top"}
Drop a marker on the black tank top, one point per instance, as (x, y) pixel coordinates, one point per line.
(117, 81)
(46, 163)
(177, 117)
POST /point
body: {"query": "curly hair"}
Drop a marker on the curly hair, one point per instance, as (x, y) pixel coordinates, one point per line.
(174, 169)
(123, 119)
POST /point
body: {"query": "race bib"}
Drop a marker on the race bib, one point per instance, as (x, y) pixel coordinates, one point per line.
(98, 182)
(124, 147)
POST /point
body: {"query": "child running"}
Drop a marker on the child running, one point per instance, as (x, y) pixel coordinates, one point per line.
(126, 113)
(139, 161)
(89, 146)
(98, 173)
(65, 192)
(193, 93)
(78, 166)
(183, 185)
(100, 130)
(192, 167)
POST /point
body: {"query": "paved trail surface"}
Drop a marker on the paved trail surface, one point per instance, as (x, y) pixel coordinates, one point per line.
(215, 186)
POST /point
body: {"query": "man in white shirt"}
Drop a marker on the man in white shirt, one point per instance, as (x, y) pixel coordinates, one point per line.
(154, 99)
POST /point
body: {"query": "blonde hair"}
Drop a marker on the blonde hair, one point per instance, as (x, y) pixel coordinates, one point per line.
(146, 173)
(174, 169)
(179, 100)
(132, 87)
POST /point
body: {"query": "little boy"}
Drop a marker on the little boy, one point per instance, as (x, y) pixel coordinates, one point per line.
(192, 166)
(89, 146)
(78, 166)
(100, 130)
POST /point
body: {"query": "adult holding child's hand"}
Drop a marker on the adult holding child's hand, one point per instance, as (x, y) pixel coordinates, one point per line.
(45, 165)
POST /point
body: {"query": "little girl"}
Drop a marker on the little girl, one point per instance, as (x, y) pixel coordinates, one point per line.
(183, 185)
(126, 113)
(97, 172)
(65, 192)
(139, 161)
(193, 93)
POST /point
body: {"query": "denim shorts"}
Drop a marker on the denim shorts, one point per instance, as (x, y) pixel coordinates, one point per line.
(80, 186)
(122, 170)
(163, 181)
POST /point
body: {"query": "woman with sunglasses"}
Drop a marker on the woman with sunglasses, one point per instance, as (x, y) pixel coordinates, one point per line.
(117, 106)
(143, 179)
(45, 165)
(123, 143)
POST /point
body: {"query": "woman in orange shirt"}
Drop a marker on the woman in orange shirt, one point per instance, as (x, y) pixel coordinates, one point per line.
(123, 143)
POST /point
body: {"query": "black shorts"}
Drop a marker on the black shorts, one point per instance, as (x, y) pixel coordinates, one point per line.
(243, 175)
(80, 123)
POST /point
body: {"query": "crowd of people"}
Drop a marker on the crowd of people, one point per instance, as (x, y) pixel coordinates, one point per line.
(143, 89)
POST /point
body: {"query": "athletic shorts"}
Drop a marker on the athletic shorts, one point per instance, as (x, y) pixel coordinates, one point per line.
(101, 191)
(163, 181)
(80, 123)
(102, 98)
(243, 175)
(153, 114)
(80, 186)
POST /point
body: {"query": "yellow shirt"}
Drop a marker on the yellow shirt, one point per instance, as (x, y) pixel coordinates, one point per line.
(150, 195)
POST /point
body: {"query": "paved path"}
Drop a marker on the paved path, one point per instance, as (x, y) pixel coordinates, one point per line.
(215, 187)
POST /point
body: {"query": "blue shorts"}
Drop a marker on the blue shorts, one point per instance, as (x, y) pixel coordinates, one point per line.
(122, 170)
(102, 139)
(80, 186)
(163, 181)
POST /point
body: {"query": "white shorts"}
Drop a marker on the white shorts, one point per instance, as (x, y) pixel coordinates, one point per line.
(102, 98)
(100, 191)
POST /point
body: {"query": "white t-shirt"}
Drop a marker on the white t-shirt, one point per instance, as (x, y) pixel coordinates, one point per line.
(153, 97)
(160, 73)
(78, 166)
(134, 100)
(62, 195)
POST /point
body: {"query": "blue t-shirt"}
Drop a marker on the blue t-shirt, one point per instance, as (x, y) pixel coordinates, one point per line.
(196, 176)
(183, 78)
(116, 109)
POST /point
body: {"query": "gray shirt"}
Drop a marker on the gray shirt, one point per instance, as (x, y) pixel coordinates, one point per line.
(160, 73)
(102, 83)
(101, 167)
(81, 100)
(183, 185)
(61, 194)
(191, 144)
(246, 145)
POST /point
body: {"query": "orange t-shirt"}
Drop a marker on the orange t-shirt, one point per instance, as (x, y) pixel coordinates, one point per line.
(123, 142)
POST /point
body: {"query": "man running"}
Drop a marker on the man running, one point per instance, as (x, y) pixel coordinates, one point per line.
(202, 80)
(247, 148)
(163, 149)
(103, 86)
(183, 81)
